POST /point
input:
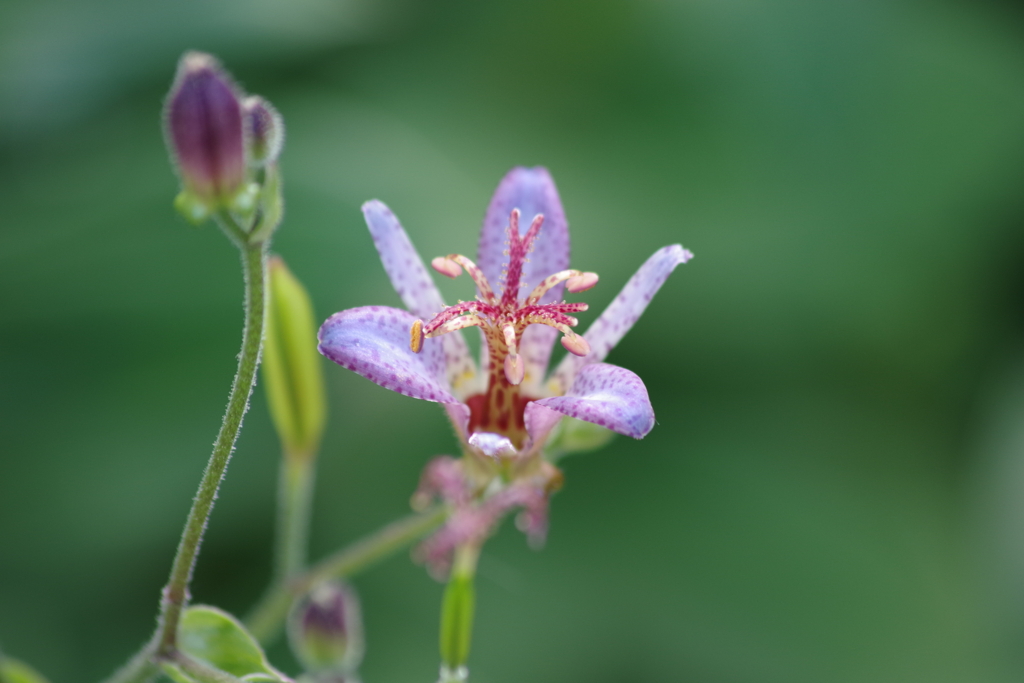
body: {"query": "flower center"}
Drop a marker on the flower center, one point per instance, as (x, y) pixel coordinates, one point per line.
(503, 319)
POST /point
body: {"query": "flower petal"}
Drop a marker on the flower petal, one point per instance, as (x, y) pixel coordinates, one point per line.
(604, 394)
(373, 341)
(627, 307)
(492, 445)
(414, 285)
(532, 191)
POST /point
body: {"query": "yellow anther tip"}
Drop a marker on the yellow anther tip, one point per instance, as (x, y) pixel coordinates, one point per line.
(416, 336)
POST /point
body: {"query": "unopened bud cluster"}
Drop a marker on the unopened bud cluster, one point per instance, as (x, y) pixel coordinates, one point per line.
(219, 139)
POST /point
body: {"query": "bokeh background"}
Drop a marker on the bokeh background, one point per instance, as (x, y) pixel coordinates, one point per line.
(835, 488)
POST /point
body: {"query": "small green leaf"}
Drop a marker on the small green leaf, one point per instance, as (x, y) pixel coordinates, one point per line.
(217, 638)
(13, 671)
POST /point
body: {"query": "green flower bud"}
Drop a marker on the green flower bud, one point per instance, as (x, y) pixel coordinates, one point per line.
(325, 629)
(291, 364)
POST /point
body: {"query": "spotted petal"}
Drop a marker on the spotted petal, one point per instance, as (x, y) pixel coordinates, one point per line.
(414, 285)
(624, 311)
(532, 191)
(373, 341)
(604, 394)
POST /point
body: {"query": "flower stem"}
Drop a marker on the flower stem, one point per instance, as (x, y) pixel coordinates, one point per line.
(265, 621)
(295, 498)
(140, 668)
(457, 613)
(175, 594)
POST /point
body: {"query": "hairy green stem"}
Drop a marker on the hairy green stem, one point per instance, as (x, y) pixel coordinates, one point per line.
(295, 501)
(266, 619)
(175, 594)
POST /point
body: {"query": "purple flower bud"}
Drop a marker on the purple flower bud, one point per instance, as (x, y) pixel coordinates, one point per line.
(325, 629)
(205, 130)
(266, 130)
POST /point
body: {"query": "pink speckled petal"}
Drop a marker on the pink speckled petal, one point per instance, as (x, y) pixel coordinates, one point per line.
(414, 285)
(604, 394)
(627, 307)
(532, 191)
(373, 341)
(540, 420)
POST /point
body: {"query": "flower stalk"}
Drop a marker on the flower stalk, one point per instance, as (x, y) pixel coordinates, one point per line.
(267, 618)
(175, 594)
(457, 614)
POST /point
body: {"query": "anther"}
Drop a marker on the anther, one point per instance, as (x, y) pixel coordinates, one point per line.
(581, 282)
(575, 344)
(510, 338)
(446, 267)
(416, 336)
(515, 368)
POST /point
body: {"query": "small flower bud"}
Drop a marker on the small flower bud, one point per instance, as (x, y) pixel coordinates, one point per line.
(203, 119)
(576, 344)
(291, 364)
(446, 266)
(325, 629)
(266, 131)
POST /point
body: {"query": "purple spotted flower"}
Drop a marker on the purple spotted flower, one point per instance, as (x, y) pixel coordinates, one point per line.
(505, 408)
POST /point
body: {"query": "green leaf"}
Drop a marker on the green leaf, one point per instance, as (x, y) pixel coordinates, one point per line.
(218, 639)
(13, 671)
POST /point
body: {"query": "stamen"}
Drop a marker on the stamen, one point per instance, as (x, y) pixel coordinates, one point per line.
(446, 267)
(459, 324)
(486, 293)
(416, 336)
(457, 310)
(581, 283)
(552, 280)
(515, 368)
(510, 337)
(575, 344)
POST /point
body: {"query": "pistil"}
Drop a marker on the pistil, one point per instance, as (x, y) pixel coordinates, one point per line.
(500, 408)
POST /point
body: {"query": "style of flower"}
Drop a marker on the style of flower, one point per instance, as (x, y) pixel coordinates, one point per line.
(504, 410)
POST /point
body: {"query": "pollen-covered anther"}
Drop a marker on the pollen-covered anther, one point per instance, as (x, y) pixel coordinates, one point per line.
(515, 368)
(446, 267)
(416, 336)
(581, 282)
(575, 344)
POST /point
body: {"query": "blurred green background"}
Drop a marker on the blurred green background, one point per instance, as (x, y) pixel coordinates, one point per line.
(835, 488)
